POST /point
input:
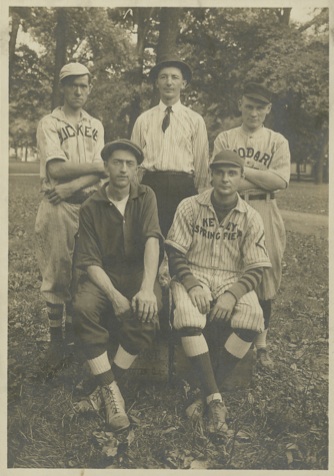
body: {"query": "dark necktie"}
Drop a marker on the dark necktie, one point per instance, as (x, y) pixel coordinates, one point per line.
(166, 121)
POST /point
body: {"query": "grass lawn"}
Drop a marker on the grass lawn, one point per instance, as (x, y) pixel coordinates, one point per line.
(278, 423)
(305, 197)
(23, 167)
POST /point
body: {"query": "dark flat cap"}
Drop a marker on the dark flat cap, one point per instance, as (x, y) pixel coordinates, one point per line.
(258, 92)
(227, 157)
(167, 61)
(122, 144)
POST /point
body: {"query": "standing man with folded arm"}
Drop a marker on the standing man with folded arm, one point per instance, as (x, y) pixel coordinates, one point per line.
(267, 169)
(174, 141)
(69, 143)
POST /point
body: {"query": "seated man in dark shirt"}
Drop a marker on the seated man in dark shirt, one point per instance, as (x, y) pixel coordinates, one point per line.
(118, 248)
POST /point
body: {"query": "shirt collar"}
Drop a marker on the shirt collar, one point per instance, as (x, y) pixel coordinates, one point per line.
(205, 199)
(59, 114)
(101, 195)
(175, 107)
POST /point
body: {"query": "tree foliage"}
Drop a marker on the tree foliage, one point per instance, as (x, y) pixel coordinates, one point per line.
(224, 46)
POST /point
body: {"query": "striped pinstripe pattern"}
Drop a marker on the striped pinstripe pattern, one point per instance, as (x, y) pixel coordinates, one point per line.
(183, 147)
(57, 139)
(228, 248)
(264, 150)
(247, 313)
(55, 230)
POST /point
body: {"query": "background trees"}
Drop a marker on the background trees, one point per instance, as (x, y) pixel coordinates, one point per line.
(224, 46)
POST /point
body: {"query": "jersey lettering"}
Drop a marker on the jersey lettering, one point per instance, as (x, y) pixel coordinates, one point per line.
(67, 132)
(231, 231)
(258, 156)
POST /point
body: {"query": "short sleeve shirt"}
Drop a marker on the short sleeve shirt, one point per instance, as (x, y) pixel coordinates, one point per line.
(57, 138)
(112, 241)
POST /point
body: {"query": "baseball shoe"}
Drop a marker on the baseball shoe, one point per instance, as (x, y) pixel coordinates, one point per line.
(54, 357)
(95, 399)
(195, 411)
(116, 418)
(216, 417)
(264, 359)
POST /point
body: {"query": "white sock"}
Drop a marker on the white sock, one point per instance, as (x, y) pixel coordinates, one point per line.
(99, 364)
(261, 340)
(214, 396)
(194, 345)
(123, 359)
(236, 346)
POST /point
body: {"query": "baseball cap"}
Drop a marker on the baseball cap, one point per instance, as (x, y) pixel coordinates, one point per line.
(167, 61)
(258, 92)
(122, 144)
(73, 69)
(227, 157)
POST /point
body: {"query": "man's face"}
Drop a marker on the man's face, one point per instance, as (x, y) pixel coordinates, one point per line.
(226, 179)
(76, 91)
(253, 113)
(170, 82)
(121, 167)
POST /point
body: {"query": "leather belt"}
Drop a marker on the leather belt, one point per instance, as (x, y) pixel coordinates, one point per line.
(259, 196)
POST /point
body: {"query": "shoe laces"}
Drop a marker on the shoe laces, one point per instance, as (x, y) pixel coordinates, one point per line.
(95, 398)
(113, 398)
(218, 411)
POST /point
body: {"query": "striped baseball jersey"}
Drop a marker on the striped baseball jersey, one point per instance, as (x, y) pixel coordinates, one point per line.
(263, 149)
(229, 248)
(183, 147)
(57, 138)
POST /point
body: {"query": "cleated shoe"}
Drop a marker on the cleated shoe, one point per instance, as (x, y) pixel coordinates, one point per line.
(195, 411)
(216, 417)
(264, 359)
(116, 418)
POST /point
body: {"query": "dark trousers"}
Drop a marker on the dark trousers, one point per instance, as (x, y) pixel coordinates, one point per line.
(170, 189)
(95, 321)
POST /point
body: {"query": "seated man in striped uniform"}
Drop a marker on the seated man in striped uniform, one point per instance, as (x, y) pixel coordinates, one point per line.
(216, 254)
(174, 141)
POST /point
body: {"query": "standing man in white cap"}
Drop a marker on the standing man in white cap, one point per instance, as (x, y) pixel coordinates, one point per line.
(69, 143)
(267, 169)
(174, 141)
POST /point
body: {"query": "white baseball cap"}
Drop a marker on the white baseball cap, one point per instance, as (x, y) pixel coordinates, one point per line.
(73, 69)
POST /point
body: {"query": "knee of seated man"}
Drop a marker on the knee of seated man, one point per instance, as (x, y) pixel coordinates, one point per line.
(246, 334)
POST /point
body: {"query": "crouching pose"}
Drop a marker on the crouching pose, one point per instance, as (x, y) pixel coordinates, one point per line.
(217, 253)
(118, 248)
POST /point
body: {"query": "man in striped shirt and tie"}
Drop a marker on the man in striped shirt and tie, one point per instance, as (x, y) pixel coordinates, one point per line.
(217, 254)
(174, 141)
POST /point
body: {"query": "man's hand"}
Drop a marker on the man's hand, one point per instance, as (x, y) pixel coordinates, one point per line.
(200, 299)
(59, 193)
(223, 308)
(144, 305)
(122, 306)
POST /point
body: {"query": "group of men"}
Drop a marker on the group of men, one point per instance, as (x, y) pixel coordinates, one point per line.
(99, 222)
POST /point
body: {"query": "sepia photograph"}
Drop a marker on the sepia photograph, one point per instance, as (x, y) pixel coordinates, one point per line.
(167, 248)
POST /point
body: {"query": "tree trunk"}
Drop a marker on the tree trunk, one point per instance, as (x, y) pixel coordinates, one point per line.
(26, 154)
(16, 21)
(319, 175)
(298, 172)
(142, 19)
(285, 16)
(168, 32)
(60, 54)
